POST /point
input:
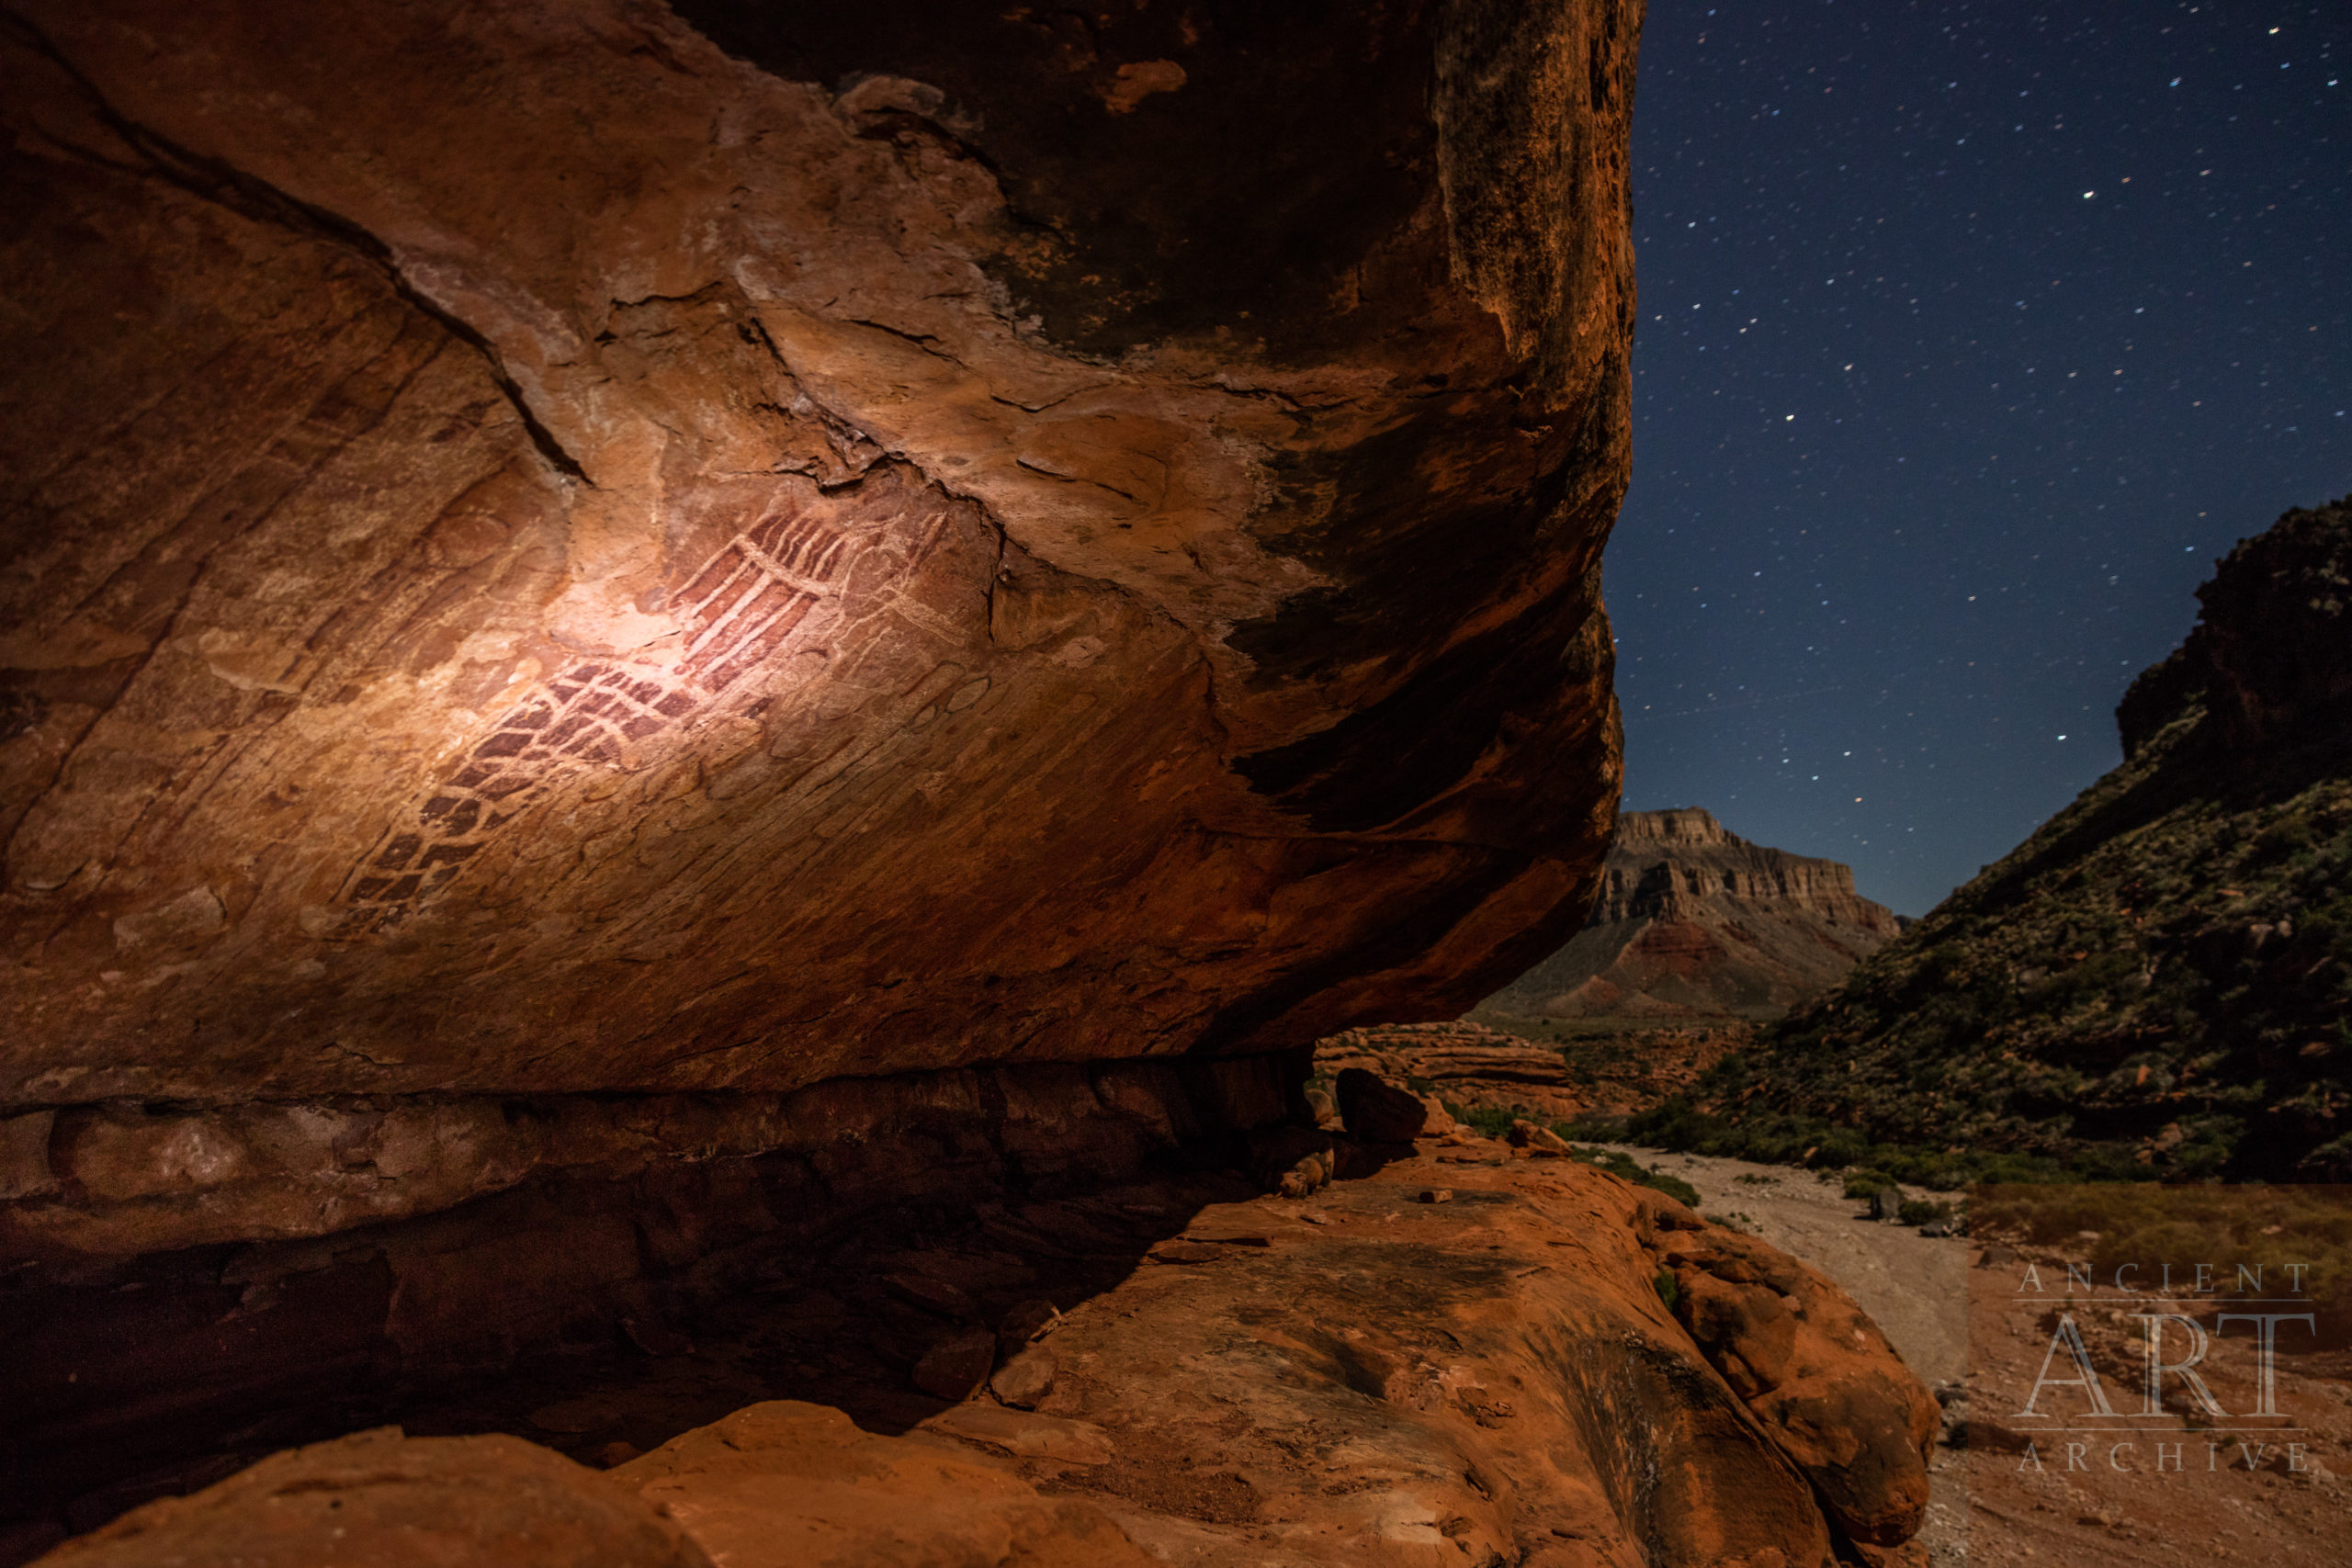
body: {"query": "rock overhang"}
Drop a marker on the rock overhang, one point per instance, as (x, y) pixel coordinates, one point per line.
(618, 562)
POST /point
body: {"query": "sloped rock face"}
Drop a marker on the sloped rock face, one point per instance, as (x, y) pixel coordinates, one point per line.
(383, 1500)
(2266, 659)
(562, 548)
(2158, 981)
(1696, 921)
(1354, 1379)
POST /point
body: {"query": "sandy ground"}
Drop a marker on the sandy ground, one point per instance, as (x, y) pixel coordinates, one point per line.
(1992, 1506)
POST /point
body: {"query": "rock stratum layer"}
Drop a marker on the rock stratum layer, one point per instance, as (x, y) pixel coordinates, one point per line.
(1573, 1074)
(2159, 981)
(1693, 920)
(594, 548)
(1360, 1377)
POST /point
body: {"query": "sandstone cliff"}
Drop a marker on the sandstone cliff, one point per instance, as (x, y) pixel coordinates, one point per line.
(1696, 921)
(592, 548)
(2160, 979)
(635, 638)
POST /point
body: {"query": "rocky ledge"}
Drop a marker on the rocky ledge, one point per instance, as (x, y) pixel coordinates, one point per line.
(1556, 1070)
(1475, 1355)
(603, 548)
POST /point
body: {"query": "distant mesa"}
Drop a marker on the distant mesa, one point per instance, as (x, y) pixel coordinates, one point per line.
(1695, 922)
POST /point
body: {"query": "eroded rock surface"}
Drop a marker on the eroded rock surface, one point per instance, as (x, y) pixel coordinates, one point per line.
(383, 1500)
(1356, 1377)
(1558, 1070)
(589, 547)
(122, 1362)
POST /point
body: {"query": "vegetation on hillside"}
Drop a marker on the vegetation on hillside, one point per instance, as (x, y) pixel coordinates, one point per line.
(2157, 983)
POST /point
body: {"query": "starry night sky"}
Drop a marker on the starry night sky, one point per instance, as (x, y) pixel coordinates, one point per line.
(1971, 335)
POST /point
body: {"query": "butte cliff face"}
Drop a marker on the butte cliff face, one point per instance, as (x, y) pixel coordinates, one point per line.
(596, 548)
(2160, 979)
(1693, 920)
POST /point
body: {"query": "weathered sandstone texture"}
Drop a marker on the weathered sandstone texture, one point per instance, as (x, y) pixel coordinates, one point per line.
(594, 547)
(1356, 1379)
(591, 1223)
(382, 1500)
(1695, 920)
(2159, 980)
(1558, 1071)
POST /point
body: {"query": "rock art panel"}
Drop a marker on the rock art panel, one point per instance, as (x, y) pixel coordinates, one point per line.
(579, 548)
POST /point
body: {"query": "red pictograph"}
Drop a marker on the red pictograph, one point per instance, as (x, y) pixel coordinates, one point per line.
(737, 611)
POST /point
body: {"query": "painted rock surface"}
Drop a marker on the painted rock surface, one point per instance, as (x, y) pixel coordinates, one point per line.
(592, 547)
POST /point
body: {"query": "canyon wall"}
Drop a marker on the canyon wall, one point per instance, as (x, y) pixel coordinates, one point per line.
(2158, 982)
(604, 550)
(1693, 919)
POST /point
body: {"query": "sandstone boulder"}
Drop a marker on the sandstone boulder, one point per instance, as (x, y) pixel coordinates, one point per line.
(1352, 1381)
(383, 1500)
(1378, 1112)
(957, 1364)
(1810, 1366)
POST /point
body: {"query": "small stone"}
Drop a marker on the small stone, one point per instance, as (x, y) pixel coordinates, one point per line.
(1182, 1251)
(1538, 1139)
(1436, 1195)
(957, 1365)
(1026, 1380)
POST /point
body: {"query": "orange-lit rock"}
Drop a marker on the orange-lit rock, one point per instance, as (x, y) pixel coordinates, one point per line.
(1350, 1381)
(580, 547)
(382, 1500)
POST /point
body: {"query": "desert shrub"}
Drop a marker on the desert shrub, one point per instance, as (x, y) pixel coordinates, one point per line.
(1620, 1163)
(1667, 1291)
(1594, 1128)
(1922, 1210)
(1862, 1183)
(1488, 1121)
(2266, 1227)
